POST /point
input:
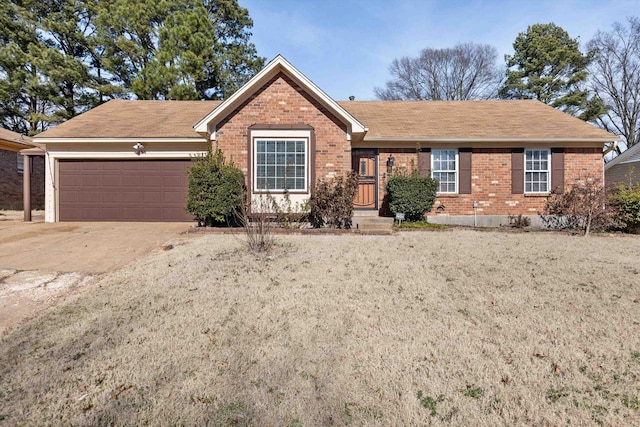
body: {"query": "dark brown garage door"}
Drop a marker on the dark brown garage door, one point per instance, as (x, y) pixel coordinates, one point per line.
(123, 190)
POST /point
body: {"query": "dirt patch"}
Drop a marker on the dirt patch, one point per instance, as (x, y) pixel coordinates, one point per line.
(458, 328)
(41, 264)
(24, 293)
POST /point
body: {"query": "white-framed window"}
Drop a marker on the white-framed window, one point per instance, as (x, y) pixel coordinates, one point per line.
(444, 168)
(537, 170)
(280, 164)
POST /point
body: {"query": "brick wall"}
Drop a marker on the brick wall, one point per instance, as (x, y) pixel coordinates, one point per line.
(491, 180)
(11, 182)
(282, 102)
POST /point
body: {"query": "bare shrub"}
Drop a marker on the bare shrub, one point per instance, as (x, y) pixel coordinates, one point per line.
(583, 207)
(519, 221)
(331, 203)
(289, 214)
(257, 219)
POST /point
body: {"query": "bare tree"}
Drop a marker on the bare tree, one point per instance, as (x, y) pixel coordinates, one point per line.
(615, 78)
(466, 71)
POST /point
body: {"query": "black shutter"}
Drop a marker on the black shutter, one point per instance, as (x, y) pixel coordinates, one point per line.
(517, 171)
(557, 170)
(424, 162)
(464, 184)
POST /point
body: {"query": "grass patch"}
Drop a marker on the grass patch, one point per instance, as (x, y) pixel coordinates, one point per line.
(335, 330)
(420, 225)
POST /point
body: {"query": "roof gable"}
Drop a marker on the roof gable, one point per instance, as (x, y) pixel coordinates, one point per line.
(278, 65)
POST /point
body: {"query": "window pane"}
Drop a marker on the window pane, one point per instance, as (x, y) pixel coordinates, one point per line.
(290, 183)
(271, 171)
(280, 171)
(271, 146)
(299, 184)
(291, 159)
(300, 146)
(271, 159)
(291, 146)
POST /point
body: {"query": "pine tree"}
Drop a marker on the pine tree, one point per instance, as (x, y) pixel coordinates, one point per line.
(548, 66)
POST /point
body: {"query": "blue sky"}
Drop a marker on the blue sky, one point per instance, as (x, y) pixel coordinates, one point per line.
(346, 46)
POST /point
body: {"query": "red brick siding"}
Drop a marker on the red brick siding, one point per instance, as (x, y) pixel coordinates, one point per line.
(491, 180)
(282, 102)
(11, 182)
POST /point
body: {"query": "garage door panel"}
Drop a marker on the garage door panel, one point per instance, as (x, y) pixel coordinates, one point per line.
(116, 190)
(112, 181)
(152, 197)
(154, 180)
(89, 197)
(131, 180)
(172, 197)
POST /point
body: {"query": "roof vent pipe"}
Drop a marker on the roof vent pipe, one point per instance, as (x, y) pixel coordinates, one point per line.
(352, 98)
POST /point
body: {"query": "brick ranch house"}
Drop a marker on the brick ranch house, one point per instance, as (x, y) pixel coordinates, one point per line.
(127, 160)
(12, 171)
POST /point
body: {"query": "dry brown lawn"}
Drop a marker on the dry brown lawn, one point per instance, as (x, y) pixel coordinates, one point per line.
(420, 328)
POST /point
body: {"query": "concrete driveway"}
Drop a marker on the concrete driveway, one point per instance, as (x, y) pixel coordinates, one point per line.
(40, 264)
(80, 246)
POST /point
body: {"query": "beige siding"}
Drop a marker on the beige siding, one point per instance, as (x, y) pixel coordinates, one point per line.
(627, 173)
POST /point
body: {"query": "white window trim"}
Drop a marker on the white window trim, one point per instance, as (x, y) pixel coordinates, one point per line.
(548, 191)
(280, 135)
(457, 170)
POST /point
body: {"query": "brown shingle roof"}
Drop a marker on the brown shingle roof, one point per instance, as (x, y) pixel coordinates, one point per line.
(16, 138)
(135, 119)
(500, 120)
(469, 119)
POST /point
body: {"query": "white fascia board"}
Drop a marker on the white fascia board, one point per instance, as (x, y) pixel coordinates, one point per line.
(466, 140)
(124, 155)
(115, 140)
(622, 157)
(279, 63)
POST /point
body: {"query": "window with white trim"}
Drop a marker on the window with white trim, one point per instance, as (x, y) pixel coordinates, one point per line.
(444, 168)
(280, 164)
(537, 170)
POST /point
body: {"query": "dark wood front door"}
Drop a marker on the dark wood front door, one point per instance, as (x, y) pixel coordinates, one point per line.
(365, 164)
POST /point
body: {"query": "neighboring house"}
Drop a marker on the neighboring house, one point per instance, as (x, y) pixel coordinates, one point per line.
(625, 168)
(11, 171)
(127, 160)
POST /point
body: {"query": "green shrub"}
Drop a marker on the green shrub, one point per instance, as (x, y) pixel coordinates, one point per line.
(413, 195)
(331, 203)
(216, 189)
(627, 201)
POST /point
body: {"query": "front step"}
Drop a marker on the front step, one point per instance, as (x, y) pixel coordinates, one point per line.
(373, 225)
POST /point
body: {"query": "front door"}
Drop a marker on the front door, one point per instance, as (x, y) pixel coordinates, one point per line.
(365, 164)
